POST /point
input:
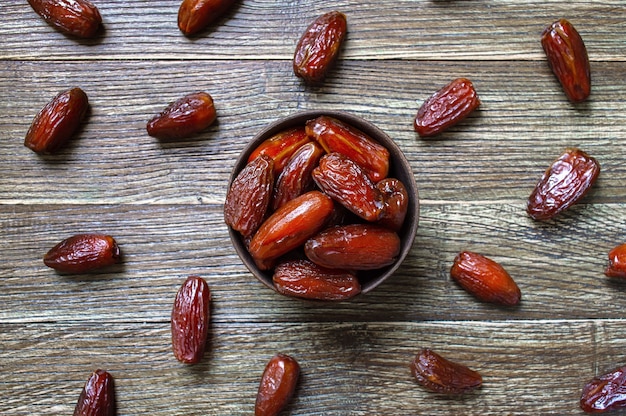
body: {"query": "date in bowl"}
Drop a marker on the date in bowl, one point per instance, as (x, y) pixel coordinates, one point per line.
(297, 246)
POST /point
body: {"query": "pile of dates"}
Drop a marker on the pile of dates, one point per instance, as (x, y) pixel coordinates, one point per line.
(314, 204)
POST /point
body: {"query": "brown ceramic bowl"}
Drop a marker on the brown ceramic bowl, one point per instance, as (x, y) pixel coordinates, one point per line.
(398, 168)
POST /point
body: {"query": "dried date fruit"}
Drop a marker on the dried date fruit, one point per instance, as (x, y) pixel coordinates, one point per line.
(563, 184)
(281, 147)
(277, 386)
(345, 182)
(353, 247)
(336, 136)
(190, 320)
(249, 196)
(57, 121)
(195, 15)
(184, 117)
(98, 396)
(396, 203)
(439, 375)
(83, 253)
(568, 59)
(446, 108)
(319, 47)
(485, 279)
(290, 226)
(78, 18)
(605, 393)
(617, 262)
(305, 279)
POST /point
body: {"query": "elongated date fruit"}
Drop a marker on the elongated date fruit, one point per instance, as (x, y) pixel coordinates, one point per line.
(249, 196)
(184, 117)
(319, 46)
(439, 375)
(79, 18)
(83, 253)
(281, 147)
(354, 247)
(446, 107)
(605, 393)
(568, 59)
(617, 262)
(190, 320)
(305, 279)
(195, 15)
(277, 386)
(395, 203)
(57, 121)
(336, 136)
(485, 279)
(563, 184)
(98, 396)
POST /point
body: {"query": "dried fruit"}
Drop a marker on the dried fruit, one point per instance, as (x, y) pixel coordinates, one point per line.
(184, 117)
(57, 121)
(319, 46)
(78, 18)
(336, 136)
(281, 147)
(617, 262)
(396, 203)
(305, 279)
(605, 393)
(485, 279)
(446, 107)
(563, 184)
(83, 253)
(190, 320)
(195, 15)
(98, 396)
(277, 385)
(290, 226)
(567, 57)
(353, 247)
(249, 196)
(345, 182)
(440, 375)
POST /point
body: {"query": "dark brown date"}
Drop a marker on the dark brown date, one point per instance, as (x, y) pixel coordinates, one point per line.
(184, 117)
(277, 386)
(605, 393)
(617, 262)
(395, 203)
(78, 18)
(440, 375)
(190, 320)
(83, 253)
(98, 396)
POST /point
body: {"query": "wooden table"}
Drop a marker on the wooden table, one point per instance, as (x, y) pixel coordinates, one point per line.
(163, 203)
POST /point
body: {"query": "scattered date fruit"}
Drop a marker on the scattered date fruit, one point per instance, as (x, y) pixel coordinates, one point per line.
(277, 386)
(439, 375)
(190, 320)
(605, 393)
(78, 18)
(195, 15)
(98, 396)
(617, 262)
(184, 117)
(83, 253)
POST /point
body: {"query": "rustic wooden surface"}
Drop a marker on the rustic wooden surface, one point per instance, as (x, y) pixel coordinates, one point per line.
(163, 203)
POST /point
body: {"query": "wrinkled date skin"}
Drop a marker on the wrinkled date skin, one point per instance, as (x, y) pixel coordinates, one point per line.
(57, 121)
(98, 396)
(563, 184)
(78, 18)
(446, 108)
(354, 247)
(190, 320)
(485, 279)
(605, 393)
(184, 117)
(277, 386)
(195, 15)
(617, 262)
(281, 147)
(336, 136)
(83, 253)
(249, 196)
(305, 279)
(568, 59)
(440, 375)
(319, 47)
(395, 203)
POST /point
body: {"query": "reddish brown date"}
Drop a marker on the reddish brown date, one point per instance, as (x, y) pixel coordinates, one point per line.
(354, 247)
(249, 196)
(184, 117)
(567, 57)
(78, 18)
(98, 396)
(319, 47)
(446, 108)
(57, 121)
(439, 375)
(563, 184)
(190, 320)
(277, 386)
(605, 393)
(83, 253)
(395, 203)
(485, 279)
(281, 147)
(195, 15)
(305, 279)
(617, 262)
